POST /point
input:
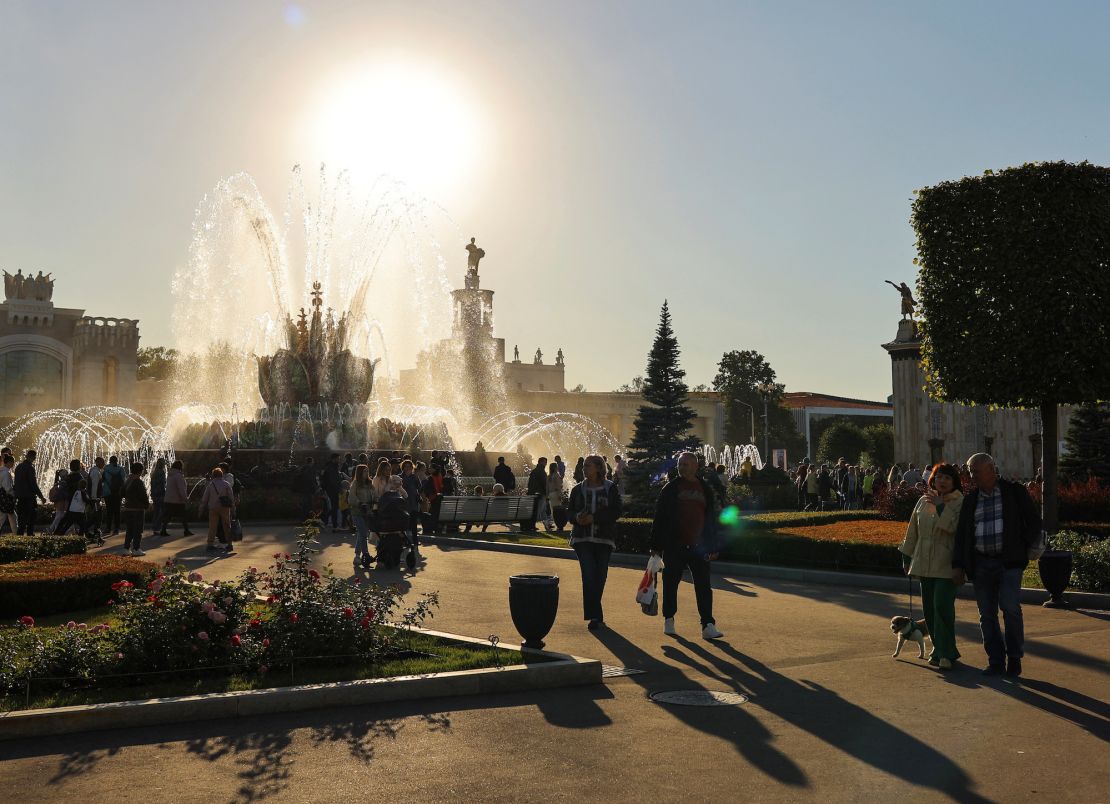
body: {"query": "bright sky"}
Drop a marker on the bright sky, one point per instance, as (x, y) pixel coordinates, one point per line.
(751, 162)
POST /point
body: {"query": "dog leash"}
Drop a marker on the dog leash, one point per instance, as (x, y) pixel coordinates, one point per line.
(910, 578)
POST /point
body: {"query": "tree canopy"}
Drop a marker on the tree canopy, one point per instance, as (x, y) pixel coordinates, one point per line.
(1088, 443)
(156, 362)
(739, 377)
(1013, 286)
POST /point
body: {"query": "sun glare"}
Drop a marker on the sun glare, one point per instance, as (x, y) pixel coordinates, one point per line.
(410, 122)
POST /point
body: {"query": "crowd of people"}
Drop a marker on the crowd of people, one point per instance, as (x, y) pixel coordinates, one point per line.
(101, 499)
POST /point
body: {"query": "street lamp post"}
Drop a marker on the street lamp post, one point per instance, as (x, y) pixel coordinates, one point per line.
(749, 407)
(766, 390)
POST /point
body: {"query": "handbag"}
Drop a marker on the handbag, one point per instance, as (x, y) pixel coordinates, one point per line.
(236, 531)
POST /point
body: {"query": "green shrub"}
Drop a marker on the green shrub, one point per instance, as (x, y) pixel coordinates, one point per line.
(25, 548)
(52, 585)
(1091, 567)
(796, 519)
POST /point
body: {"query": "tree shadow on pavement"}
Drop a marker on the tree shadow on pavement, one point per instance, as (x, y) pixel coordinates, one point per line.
(1089, 714)
(733, 724)
(841, 724)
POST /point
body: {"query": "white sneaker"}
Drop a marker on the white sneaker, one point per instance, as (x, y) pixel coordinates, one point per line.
(138, 553)
(668, 627)
(711, 632)
(129, 551)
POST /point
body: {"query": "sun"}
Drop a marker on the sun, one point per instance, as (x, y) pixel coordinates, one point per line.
(410, 121)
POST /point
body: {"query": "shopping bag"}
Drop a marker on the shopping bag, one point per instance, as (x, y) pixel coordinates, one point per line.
(236, 531)
(649, 602)
(655, 563)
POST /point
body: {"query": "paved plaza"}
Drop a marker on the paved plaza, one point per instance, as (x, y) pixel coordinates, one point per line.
(830, 714)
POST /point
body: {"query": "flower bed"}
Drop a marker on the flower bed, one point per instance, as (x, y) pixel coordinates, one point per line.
(47, 586)
(171, 621)
(877, 532)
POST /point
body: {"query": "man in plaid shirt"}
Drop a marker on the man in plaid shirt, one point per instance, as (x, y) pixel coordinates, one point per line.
(998, 524)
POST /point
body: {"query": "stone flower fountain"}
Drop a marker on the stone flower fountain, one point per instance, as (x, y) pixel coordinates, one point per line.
(316, 367)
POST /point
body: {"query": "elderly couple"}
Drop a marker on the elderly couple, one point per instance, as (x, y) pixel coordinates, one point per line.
(684, 532)
(984, 536)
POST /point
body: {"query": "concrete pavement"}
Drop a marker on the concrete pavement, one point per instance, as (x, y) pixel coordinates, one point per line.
(830, 715)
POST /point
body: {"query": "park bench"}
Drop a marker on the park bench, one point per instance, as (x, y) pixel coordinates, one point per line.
(490, 510)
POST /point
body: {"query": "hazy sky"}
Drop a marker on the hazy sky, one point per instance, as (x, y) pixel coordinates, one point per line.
(751, 162)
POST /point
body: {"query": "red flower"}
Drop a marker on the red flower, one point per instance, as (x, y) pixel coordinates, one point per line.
(271, 599)
(255, 623)
(365, 623)
(349, 613)
(151, 599)
(314, 575)
(278, 555)
(294, 617)
(118, 585)
(370, 614)
(27, 620)
(286, 556)
(265, 643)
(236, 641)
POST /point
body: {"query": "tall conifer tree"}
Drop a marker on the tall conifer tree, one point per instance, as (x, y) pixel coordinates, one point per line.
(1088, 443)
(663, 423)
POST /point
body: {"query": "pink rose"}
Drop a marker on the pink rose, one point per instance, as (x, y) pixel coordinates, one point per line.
(82, 626)
(218, 617)
(71, 624)
(156, 586)
(236, 641)
(208, 606)
(202, 636)
(27, 620)
(195, 577)
(119, 656)
(227, 600)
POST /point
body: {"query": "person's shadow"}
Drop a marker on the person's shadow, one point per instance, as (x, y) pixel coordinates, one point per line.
(751, 738)
(825, 714)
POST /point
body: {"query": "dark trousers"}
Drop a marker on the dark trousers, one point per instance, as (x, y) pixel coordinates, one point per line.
(675, 562)
(111, 506)
(593, 560)
(74, 519)
(333, 514)
(134, 537)
(997, 587)
(25, 514)
(158, 523)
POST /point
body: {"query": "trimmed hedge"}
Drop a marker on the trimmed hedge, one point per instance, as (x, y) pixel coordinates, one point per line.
(25, 548)
(53, 585)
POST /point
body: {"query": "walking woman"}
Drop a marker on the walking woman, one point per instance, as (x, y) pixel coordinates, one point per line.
(361, 499)
(177, 494)
(595, 506)
(7, 493)
(927, 555)
(136, 501)
(555, 497)
(218, 499)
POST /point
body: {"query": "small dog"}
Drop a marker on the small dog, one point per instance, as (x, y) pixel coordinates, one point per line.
(913, 630)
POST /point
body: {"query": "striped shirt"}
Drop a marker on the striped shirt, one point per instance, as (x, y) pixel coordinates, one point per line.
(988, 523)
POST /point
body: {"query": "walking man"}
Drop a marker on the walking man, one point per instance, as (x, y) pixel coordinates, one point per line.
(26, 488)
(998, 524)
(114, 479)
(685, 534)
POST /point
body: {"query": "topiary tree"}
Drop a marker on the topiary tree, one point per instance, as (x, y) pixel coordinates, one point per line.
(880, 443)
(841, 440)
(663, 423)
(1088, 443)
(1013, 286)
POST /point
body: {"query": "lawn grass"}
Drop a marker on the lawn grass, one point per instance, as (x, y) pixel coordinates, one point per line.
(446, 656)
(876, 531)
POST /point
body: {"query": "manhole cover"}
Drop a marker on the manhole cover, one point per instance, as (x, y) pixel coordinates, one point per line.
(609, 671)
(699, 698)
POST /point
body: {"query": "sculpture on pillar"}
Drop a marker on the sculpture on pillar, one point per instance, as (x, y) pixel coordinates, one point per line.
(559, 357)
(539, 358)
(516, 354)
(908, 302)
(474, 256)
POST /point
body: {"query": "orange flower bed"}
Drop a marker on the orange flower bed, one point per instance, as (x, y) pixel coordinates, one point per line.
(69, 583)
(872, 531)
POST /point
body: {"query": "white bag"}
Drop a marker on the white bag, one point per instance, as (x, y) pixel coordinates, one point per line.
(655, 564)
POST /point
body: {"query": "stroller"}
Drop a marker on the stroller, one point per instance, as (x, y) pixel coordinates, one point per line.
(392, 527)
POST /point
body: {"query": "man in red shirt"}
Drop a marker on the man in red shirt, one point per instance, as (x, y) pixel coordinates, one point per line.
(685, 534)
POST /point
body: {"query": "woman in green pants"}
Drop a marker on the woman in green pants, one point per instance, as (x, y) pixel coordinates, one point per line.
(927, 556)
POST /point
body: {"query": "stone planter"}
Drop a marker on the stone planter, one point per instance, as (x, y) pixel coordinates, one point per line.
(1055, 568)
(533, 604)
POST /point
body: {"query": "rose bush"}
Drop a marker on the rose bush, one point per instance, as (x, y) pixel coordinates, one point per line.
(177, 620)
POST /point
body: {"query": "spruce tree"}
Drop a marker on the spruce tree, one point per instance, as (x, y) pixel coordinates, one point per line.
(663, 423)
(1088, 444)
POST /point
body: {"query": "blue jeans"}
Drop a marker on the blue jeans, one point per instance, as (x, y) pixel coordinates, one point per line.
(362, 527)
(593, 560)
(997, 587)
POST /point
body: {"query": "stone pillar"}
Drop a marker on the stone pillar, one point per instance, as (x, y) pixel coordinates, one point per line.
(910, 404)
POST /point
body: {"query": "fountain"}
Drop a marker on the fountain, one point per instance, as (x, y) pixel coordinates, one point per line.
(732, 457)
(60, 434)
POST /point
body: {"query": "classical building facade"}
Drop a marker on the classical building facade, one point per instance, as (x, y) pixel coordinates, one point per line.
(927, 431)
(535, 383)
(58, 356)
